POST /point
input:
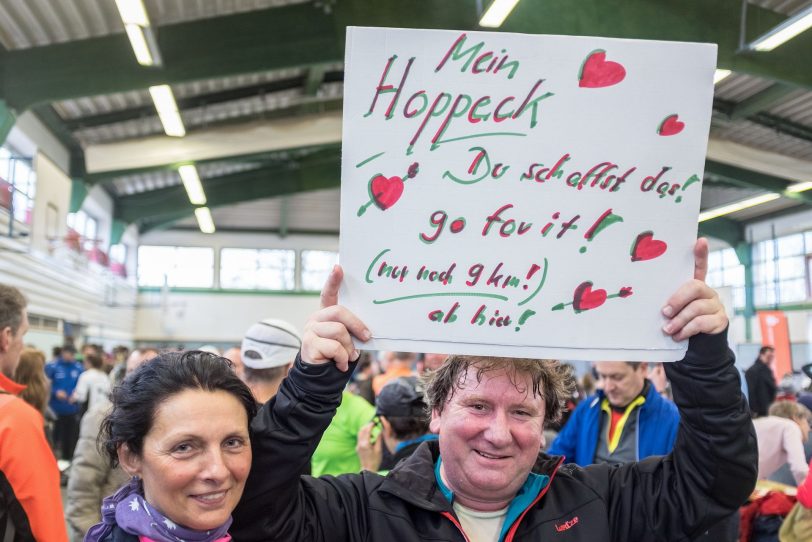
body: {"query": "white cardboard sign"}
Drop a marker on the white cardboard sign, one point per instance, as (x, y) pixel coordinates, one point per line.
(520, 195)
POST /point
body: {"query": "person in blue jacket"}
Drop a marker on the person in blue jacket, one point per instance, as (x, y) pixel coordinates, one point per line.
(64, 373)
(628, 420)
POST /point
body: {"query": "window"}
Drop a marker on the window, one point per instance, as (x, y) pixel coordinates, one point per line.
(724, 269)
(257, 269)
(316, 267)
(18, 183)
(186, 267)
(775, 284)
(86, 227)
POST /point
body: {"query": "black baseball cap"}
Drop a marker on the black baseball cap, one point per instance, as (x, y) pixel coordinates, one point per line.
(401, 398)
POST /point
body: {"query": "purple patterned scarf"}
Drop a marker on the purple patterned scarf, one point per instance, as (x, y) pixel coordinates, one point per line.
(128, 509)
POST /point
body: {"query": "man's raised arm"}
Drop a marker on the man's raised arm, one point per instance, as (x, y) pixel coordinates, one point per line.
(288, 428)
(713, 467)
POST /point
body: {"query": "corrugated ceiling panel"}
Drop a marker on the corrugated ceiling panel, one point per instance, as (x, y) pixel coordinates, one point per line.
(755, 135)
(796, 107)
(738, 87)
(30, 23)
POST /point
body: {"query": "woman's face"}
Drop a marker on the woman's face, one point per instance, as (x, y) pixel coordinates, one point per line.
(195, 458)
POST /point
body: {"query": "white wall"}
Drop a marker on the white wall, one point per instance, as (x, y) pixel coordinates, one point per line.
(58, 282)
(199, 316)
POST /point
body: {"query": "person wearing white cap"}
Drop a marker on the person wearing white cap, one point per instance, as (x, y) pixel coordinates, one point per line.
(268, 350)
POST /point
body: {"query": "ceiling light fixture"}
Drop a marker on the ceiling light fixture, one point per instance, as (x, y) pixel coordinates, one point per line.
(719, 75)
(738, 206)
(784, 32)
(799, 187)
(132, 12)
(167, 110)
(139, 44)
(142, 38)
(497, 12)
(191, 182)
(204, 219)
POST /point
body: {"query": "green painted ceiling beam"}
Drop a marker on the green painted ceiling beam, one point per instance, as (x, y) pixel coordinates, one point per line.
(303, 35)
(315, 77)
(7, 120)
(265, 158)
(255, 41)
(783, 125)
(761, 101)
(752, 179)
(727, 230)
(203, 100)
(318, 171)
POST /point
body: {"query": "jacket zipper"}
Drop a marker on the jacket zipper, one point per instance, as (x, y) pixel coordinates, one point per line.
(512, 532)
(457, 523)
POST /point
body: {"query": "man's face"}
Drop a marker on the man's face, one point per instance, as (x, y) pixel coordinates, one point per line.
(432, 362)
(490, 436)
(768, 357)
(13, 346)
(621, 382)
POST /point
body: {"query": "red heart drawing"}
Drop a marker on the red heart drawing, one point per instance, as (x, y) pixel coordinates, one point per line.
(385, 192)
(646, 247)
(585, 298)
(670, 126)
(597, 72)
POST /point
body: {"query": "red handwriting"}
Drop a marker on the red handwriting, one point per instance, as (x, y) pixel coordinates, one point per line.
(448, 106)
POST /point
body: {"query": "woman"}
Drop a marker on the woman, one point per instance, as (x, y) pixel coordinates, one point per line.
(179, 427)
(31, 373)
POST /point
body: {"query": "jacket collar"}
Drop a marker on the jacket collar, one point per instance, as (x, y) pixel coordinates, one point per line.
(413, 479)
(9, 386)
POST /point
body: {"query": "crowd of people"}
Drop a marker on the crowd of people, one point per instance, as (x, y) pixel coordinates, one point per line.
(304, 437)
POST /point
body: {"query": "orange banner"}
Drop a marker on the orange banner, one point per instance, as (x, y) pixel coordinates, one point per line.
(775, 333)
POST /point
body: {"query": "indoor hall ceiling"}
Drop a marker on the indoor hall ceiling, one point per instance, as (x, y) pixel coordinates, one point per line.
(252, 65)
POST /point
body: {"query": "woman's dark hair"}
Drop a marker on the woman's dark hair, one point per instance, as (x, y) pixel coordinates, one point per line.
(138, 397)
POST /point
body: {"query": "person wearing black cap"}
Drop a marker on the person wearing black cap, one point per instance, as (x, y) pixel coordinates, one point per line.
(404, 425)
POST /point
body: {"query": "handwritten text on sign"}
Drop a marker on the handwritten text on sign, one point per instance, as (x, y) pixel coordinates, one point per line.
(531, 196)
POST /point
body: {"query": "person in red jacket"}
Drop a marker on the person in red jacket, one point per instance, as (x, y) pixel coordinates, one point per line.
(30, 502)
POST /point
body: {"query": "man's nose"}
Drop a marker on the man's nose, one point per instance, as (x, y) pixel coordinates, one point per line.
(498, 431)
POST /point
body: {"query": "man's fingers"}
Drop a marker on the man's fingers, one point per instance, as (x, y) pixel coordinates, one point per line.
(337, 332)
(337, 313)
(329, 294)
(695, 309)
(317, 349)
(688, 292)
(364, 434)
(701, 259)
(708, 323)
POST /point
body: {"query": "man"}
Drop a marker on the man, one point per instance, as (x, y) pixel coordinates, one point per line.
(397, 364)
(627, 420)
(267, 353)
(761, 382)
(64, 374)
(430, 362)
(485, 470)
(404, 425)
(234, 355)
(30, 503)
(92, 478)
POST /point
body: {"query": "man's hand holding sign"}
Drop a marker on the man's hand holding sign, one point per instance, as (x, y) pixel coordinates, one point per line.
(543, 223)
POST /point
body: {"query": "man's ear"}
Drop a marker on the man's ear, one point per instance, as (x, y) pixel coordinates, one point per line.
(129, 460)
(6, 336)
(434, 424)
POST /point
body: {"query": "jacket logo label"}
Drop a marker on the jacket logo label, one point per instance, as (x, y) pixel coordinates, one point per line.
(567, 525)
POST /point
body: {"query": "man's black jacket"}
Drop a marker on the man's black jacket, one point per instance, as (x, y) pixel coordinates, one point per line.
(711, 471)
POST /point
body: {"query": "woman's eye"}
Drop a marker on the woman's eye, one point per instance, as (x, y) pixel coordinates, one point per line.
(234, 443)
(183, 448)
